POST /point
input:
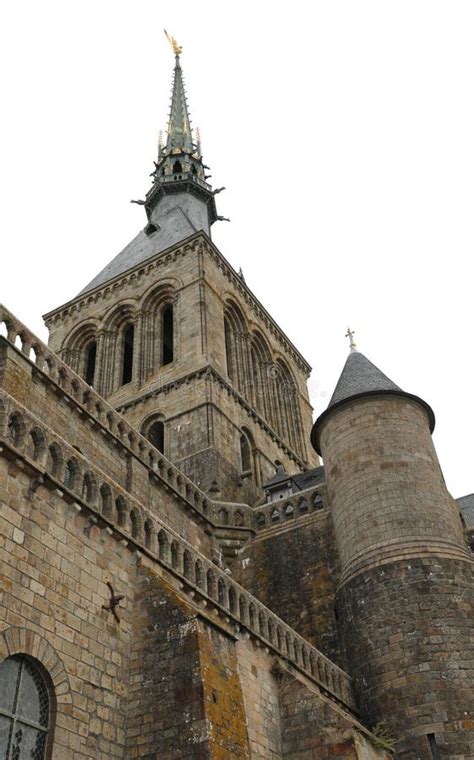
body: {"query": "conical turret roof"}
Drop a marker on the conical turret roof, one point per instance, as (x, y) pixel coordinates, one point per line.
(360, 378)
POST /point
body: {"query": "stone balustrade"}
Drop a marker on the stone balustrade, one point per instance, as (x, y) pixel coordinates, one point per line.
(289, 508)
(87, 400)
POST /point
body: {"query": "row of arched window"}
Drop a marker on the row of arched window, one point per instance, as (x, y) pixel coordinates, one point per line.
(129, 347)
(267, 384)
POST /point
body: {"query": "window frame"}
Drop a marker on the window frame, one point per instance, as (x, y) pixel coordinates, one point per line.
(38, 674)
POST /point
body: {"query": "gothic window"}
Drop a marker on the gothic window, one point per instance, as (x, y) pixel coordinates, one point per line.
(228, 349)
(245, 455)
(235, 331)
(262, 380)
(177, 168)
(167, 348)
(24, 710)
(288, 417)
(156, 435)
(127, 353)
(90, 358)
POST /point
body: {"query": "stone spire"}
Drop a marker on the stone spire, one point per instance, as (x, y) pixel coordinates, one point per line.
(179, 168)
(180, 201)
(179, 125)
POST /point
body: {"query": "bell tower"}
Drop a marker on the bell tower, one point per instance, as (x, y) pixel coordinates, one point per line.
(172, 336)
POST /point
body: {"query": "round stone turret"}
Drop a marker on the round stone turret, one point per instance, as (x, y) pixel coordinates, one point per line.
(405, 600)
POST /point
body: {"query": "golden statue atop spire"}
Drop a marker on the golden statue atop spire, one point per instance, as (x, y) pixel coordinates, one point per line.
(177, 49)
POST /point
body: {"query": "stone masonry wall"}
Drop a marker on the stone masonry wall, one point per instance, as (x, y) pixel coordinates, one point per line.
(293, 570)
(54, 569)
(408, 634)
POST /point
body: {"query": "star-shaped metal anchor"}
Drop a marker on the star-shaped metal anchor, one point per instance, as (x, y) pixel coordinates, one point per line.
(114, 602)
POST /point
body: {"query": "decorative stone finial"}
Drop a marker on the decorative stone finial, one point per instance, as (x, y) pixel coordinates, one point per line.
(350, 334)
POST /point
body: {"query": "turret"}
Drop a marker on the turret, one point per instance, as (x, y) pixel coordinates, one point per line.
(405, 597)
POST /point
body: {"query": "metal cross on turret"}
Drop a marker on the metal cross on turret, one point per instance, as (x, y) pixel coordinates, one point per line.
(350, 334)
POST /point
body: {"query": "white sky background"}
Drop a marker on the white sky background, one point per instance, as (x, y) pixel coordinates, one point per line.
(344, 132)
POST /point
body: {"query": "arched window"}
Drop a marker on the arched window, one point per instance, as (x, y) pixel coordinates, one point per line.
(245, 454)
(24, 710)
(127, 361)
(89, 362)
(228, 349)
(167, 348)
(177, 168)
(156, 435)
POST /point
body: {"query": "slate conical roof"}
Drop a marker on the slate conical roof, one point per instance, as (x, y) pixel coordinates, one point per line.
(360, 378)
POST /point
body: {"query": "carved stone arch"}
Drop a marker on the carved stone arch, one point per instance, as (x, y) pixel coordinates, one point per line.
(89, 488)
(119, 314)
(76, 346)
(236, 345)
(175, 555)
(188, 565)
(16, 429)
(120, 346)
(136, 524)
(106, 501)
(36, 444)
(71, 473)
(159, 333)
(199, 576)
(121, 509)
(163, 546)
(148, 534)
(154, 294)
(153, 428)
(233, 601)
(262, 385)
(22, 641)
(222, 593)
(55, 460)
(211, 584)
(289, 424)
(249, 455)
